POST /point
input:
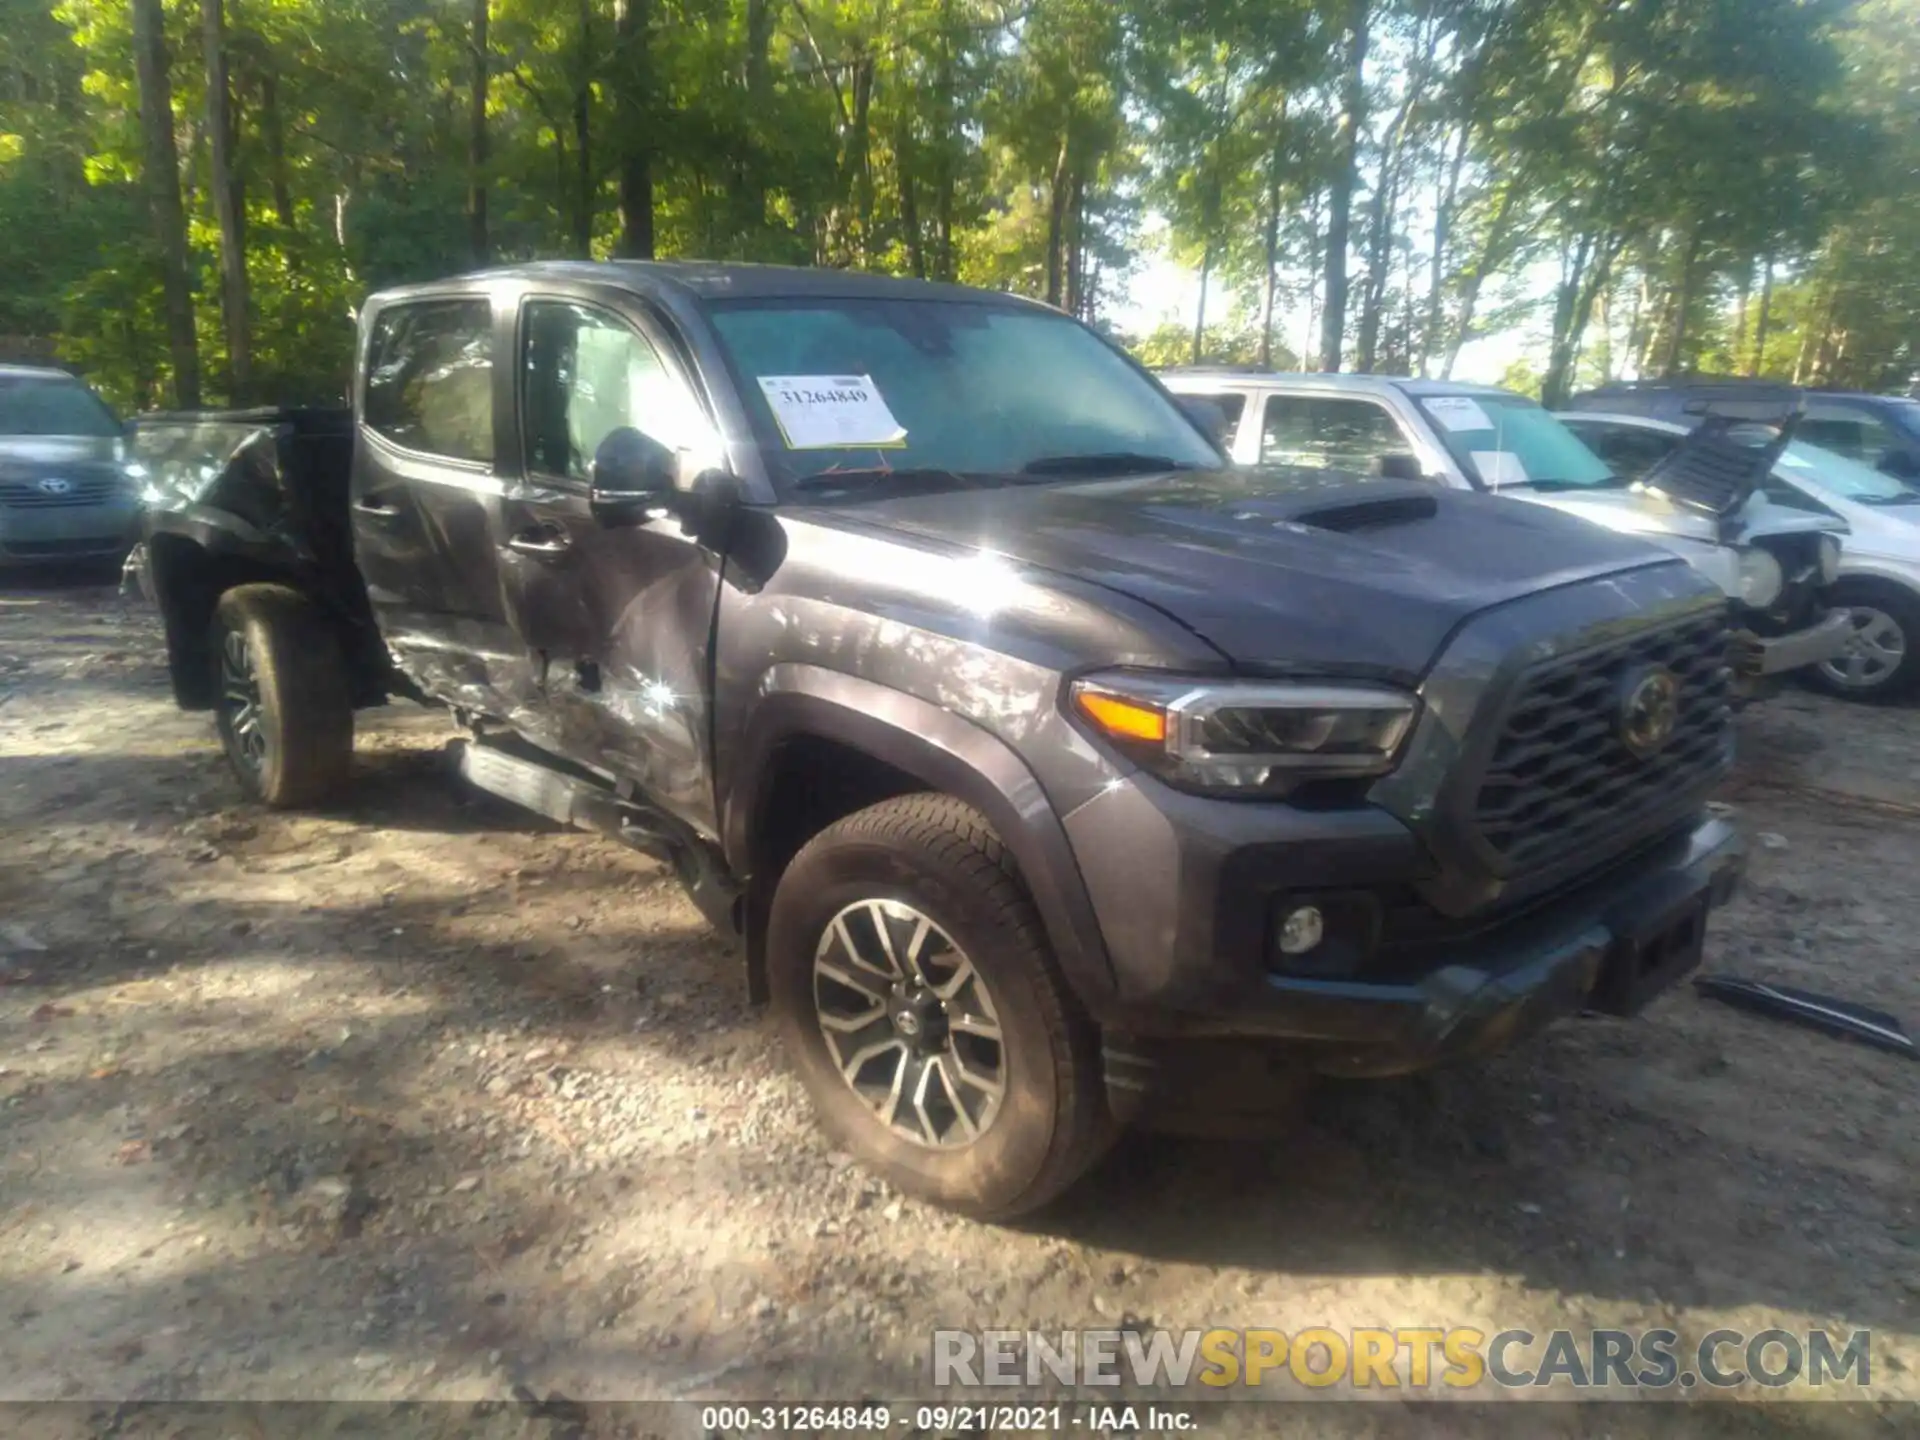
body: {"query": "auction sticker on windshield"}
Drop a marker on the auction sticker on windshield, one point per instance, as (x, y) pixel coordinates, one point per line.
(1458, 413)
(827, 412)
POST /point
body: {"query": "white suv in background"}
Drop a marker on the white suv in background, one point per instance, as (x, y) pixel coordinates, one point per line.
(1773, 562)
(1879, 582)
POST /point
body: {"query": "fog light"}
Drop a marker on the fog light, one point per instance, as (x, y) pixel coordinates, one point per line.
(1301, 930)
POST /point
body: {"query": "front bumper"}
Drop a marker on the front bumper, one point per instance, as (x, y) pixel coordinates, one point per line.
(1756, 657)
(1190, 932)
(63, 534)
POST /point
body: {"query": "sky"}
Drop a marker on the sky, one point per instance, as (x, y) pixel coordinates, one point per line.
(1162, 290)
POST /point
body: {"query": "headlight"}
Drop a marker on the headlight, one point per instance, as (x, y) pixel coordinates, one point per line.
(1246, 738)
(1761, 579)
(1829, 559)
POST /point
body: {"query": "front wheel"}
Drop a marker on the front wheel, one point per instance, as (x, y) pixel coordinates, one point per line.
(283, 704)
(1879, 662)
(925, 1014)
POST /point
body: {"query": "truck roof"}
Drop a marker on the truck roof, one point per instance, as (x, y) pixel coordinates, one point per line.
(712, 280)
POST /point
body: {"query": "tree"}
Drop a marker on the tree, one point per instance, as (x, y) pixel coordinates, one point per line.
(228, 205)
(1353, 115)
(163, 188)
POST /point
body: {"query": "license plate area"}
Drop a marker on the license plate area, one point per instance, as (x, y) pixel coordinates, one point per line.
(1649, 957)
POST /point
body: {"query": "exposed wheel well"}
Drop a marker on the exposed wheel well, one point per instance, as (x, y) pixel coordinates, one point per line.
(188, 581)
(813, 781)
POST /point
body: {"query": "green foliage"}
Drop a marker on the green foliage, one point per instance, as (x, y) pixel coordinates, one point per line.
(1656, 157)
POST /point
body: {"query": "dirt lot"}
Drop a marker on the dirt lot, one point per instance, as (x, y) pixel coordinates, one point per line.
(423, 1099)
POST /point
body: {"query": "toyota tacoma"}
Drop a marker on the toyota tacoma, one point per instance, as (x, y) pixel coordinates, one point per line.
(1035, 757)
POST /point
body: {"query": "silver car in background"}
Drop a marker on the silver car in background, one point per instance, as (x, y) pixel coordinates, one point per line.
(1879, 580)
(66, 490)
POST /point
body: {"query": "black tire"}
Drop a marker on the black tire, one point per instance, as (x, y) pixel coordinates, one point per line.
(295, 748)
(1880, 608)
(941, 857)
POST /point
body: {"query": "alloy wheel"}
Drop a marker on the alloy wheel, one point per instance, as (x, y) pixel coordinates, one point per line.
(909, 1023)
(1874, 650)
(240, 701)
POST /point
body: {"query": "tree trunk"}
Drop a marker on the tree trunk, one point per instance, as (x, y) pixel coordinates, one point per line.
(907, 183)
(1373, 293)
(477, 239)
(1592, 272)
(861, 149)
(1437, 265)
(162, 166)
(1333, 316)
(1573, 269)
(1757, 360)
(1057, 220)
(943, 180)
(1076, 241)
(1476, 277)
(1677, 340)
(1270, 281)
(225, 185)
(1200, 310)
(583, 206)
(632, 78)
(272, 122)
(750, 170)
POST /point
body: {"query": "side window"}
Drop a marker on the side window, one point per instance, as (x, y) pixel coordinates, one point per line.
(1780, 492)
(1629, 453)
(1232, 405)
(1327, 432)
(1845, 431)
(430, 378)
(585, 374)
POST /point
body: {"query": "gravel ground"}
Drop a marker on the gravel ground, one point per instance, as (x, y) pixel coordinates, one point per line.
(421, 1099)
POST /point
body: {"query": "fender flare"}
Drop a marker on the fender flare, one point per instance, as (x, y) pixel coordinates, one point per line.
(949, 753)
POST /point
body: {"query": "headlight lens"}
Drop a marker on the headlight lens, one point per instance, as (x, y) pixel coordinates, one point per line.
(1829, 559)
(1761, 578)
(1243, 737)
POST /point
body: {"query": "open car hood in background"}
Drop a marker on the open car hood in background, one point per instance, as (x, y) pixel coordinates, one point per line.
(1715, 473)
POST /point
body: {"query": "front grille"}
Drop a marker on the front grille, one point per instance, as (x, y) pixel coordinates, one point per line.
(1562, 777)
(81, 490)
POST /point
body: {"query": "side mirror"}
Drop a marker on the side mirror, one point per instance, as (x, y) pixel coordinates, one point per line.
(632, 473)
(1398, 466)
(1208, 415)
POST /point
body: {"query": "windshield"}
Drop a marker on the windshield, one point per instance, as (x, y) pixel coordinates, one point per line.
(938, 385)
(1906, 415)
(1504, 440)
(35, 405)
(1848, 479)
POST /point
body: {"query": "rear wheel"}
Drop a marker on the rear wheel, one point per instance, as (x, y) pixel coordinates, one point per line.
(1880, 661)
(283, 703)
(925, 1013)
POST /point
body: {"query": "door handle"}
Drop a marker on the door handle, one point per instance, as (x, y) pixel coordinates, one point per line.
(542, 542)
(377, 507)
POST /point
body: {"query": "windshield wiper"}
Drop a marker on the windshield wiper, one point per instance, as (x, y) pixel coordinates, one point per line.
(1111, 462)
(910, 477)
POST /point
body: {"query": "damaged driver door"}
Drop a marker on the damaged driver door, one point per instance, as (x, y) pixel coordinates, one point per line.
(615, 611)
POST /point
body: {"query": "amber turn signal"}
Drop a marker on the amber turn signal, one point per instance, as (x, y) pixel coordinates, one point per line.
(1123, 719)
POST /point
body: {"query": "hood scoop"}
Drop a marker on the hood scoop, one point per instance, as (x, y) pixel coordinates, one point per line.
(1379, 511)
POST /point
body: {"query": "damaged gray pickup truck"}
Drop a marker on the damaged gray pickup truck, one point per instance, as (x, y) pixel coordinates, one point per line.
(1050, 773)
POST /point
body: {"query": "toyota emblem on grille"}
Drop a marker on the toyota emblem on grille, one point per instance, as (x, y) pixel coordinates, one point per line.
(1649, 710)
(55, 485)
